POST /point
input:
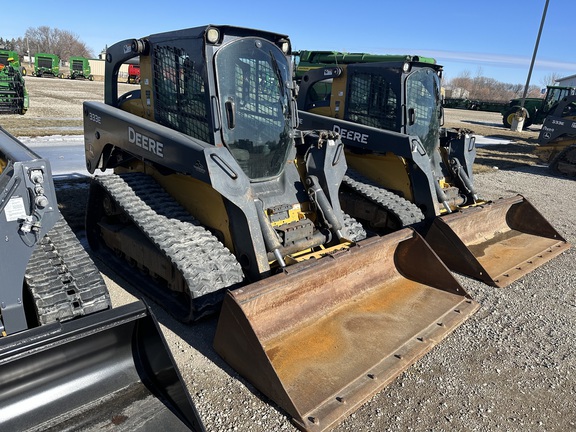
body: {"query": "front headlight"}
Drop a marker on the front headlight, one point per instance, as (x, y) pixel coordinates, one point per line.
(213, 35)
(284, 46)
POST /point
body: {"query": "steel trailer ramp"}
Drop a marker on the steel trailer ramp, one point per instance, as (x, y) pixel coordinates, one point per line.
(323, 337)
(111, 369)
(496, 243)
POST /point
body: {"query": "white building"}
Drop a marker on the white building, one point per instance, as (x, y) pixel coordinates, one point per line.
(569, 81)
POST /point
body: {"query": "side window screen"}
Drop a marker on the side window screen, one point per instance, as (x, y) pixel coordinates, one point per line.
(180, 99)
(372, 102)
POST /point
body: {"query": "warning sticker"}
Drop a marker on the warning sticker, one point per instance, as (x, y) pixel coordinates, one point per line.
(15, 209)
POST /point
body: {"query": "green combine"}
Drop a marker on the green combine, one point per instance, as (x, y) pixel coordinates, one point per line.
(13, 93)
(80, 69)
(46, 65)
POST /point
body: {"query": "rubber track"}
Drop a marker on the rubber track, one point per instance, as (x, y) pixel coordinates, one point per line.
(63, 279)
(405, 211)
(353, 230)
(567, 155)
(206, 264)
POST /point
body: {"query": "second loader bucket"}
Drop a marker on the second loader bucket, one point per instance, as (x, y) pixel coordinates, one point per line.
(327, 334)
(108, 370)
(496, 243)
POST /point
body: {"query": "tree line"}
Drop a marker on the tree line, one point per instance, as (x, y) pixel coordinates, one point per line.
(48, 40)
(489, 89)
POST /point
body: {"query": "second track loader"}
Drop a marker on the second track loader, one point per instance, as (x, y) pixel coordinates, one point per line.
(217, 202)
(557, 139)
(407, 170)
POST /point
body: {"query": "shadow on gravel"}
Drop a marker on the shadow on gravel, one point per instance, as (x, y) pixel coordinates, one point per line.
(541, 170)
(535, 169)
(198, 335)
(504, 156)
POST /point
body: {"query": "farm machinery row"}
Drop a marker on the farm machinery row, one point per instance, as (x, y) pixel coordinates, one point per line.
(322, 225)
(48, 65)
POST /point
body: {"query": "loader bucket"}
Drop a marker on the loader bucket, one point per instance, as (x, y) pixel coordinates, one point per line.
(110, 369)
(325, 335)
(496, 243)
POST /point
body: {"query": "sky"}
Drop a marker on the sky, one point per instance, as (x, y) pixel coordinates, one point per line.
(490, 38)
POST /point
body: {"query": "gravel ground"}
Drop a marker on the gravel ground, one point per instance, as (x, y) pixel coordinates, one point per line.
(510, 367)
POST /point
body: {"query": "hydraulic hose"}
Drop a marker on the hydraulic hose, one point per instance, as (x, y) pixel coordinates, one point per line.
(318, 196)
(442, 196)
(458, 170)
(270, 237)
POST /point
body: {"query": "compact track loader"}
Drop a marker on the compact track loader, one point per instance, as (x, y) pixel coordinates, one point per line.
(557, 138)
(67, 360)
(216, 201)
(407, 170)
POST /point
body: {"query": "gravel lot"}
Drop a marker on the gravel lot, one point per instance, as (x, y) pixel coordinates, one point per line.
(511, 367)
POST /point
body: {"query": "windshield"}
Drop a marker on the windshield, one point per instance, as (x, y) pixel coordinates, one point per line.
(554, 95)
(252, 76)
(423, 107)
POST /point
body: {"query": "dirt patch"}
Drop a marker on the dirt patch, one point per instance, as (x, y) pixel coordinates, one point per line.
(56, 106)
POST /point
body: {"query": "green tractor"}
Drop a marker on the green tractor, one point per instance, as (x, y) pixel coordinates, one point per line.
(537, 108)
(46, 65)
(80, 69)
(13, 93)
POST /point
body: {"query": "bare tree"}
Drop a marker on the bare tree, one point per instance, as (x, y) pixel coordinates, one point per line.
(488, 89)
(8, 44)
(550, 79)
(55, 41)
